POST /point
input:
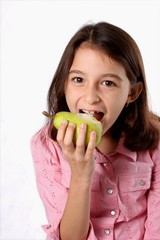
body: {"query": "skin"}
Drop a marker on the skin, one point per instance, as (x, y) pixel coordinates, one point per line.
(98, 83)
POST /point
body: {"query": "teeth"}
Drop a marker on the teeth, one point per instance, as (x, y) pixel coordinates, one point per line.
(89, 112)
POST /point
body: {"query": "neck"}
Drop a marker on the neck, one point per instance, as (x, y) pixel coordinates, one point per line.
(107, 144)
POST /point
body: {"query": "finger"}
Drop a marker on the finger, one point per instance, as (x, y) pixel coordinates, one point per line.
(91, 145)
(62, 131)
(68, 146)
(69, 135)
(80, 144)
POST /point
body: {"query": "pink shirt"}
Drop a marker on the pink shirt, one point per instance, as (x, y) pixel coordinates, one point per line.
(125, 196)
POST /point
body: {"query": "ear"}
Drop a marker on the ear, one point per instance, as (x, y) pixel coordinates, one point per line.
(135, 91)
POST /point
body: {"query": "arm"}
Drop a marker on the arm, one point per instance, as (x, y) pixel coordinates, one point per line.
(52, 191)
(75, 220)
(152, 224)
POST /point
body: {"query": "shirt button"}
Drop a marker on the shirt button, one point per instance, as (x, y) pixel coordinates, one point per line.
(107, 231)
(142, 182)
(106, 164)
(113, 213)
(109, 190)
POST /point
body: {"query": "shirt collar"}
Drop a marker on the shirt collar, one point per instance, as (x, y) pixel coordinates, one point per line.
(120, 150)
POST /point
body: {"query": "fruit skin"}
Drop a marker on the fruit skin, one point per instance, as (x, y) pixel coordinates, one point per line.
(78, 118)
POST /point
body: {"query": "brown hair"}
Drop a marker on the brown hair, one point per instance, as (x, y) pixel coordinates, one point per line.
(140, 125)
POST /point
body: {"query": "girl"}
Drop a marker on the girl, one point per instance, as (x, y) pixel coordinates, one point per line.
(110, 191)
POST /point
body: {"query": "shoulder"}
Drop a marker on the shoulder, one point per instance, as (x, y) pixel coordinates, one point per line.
(43, 148)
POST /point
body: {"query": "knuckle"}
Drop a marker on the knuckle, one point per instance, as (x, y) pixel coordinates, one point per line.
(67, 143)
(65, 152)
(79, 145)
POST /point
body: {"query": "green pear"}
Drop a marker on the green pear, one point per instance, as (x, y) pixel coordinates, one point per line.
(78, 118)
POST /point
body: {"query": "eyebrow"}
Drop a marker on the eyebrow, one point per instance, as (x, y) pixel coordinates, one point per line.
(112, 75)
(76, 71)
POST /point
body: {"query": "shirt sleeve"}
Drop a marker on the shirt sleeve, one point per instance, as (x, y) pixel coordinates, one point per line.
(152, 224)
(48, 178)
(52, 181)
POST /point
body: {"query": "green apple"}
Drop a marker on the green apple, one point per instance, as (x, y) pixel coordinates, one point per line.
(78, 118)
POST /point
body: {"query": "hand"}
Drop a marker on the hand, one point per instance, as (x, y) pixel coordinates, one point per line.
(80, 157)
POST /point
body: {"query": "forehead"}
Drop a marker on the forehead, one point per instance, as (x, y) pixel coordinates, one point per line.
(93, 47)
(89, 56)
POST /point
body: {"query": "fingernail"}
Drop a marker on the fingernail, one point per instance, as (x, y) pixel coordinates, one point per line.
(83, 125)
(72, 124)
(64, 122)
(93, 134)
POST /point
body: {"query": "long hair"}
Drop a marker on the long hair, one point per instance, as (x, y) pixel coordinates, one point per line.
(137, 122)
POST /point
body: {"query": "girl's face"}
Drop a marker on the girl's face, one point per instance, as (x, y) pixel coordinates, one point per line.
(98, 85)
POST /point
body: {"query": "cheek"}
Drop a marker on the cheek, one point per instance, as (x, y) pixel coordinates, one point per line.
(117, 110)
(115, 106)
(118, 101)
(118, 107)
(71, 100)
(122, 98)
(112, 115)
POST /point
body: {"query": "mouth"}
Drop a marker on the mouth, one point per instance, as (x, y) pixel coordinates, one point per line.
(96, 114)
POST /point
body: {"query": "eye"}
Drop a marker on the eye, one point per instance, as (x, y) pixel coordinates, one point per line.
(108, 83)
(77, 79)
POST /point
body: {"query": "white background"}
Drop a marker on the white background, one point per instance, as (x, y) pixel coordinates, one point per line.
(33, 37)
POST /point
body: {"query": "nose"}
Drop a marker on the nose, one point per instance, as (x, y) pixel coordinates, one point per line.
(91, 95)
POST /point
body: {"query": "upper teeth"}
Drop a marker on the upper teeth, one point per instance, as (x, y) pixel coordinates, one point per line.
(88, 112)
